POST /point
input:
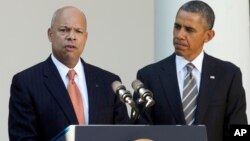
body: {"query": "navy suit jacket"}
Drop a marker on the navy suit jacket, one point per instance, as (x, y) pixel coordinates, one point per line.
(221, 99)
(40, 107)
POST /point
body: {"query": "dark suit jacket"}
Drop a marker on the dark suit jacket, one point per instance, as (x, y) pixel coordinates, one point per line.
(221, 101)
(40, 107)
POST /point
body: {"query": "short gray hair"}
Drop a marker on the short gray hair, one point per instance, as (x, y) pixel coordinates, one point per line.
(202, 8)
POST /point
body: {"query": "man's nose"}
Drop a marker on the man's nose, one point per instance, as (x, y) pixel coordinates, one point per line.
(71, 35)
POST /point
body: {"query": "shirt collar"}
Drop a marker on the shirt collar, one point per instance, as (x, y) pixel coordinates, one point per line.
(181, 62)
(63, 70)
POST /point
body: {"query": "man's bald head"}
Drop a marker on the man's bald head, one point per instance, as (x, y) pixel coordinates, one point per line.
(62, 10)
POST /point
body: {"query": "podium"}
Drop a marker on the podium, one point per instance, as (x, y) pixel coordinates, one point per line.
(133, 133)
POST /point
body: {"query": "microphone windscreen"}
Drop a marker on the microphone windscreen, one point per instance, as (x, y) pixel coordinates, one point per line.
(136, 84)
(116, 85)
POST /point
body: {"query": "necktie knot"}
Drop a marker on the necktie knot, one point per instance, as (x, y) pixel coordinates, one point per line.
(71, 74)
(189, 67)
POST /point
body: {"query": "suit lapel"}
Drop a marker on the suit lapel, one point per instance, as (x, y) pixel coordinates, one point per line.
(169, 80)
(93, 86)
(56, 87)
(207, 86)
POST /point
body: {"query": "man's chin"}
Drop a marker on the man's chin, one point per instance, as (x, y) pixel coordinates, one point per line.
(178, 52)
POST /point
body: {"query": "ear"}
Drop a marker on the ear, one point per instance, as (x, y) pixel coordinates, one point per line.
(209, 35)
(49, 34)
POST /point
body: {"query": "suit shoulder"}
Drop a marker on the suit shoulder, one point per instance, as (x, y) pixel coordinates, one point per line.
(158, 65)
(100, 71)
(223, 63)
(31, 70)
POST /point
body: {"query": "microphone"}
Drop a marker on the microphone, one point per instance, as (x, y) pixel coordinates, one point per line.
(145, 94)
(125, 97)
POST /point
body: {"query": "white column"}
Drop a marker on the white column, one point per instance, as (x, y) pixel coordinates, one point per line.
(231, 41)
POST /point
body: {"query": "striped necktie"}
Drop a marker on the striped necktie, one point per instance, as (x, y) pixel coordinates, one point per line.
(190, 92)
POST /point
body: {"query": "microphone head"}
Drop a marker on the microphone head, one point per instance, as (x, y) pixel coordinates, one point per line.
(137, 84)
(116, 85)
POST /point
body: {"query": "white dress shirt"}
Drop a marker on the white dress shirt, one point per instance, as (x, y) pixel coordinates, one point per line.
(79, 79)
(181, 63)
